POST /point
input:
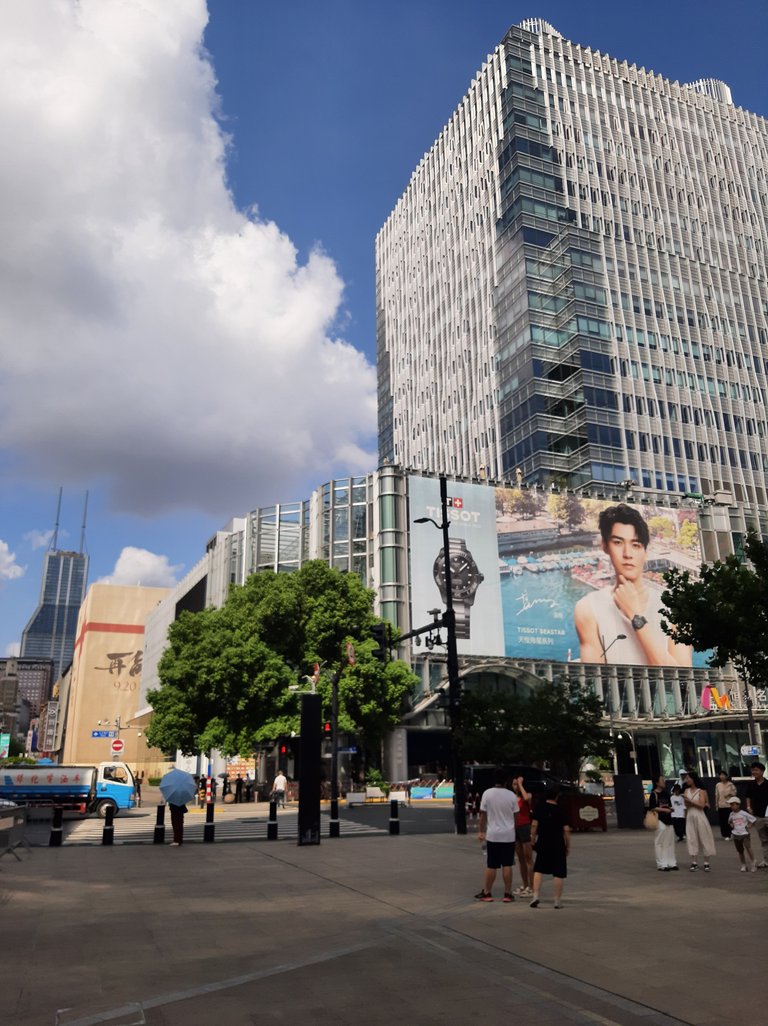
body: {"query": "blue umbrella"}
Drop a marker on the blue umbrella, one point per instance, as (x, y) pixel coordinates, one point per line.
(178, 787)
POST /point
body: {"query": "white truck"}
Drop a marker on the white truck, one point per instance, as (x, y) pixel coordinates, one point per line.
(84, 788)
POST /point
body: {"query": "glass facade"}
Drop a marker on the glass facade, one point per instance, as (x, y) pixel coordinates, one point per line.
(573, 285)
(278, 538)
(50, 632)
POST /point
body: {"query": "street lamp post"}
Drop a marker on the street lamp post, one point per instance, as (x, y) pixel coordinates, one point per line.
(605, 648)
(454, 683)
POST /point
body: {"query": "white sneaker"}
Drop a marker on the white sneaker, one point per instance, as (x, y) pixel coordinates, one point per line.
(762, 865)
(743, 869)
(753, 868)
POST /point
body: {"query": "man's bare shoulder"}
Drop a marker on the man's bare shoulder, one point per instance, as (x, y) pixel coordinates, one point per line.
(584, 608)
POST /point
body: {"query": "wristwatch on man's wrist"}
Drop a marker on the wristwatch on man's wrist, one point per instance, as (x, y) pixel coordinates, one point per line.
(638, 621)
(465, 580)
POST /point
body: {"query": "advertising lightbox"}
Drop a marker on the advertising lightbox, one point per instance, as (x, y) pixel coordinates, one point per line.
(554, 576)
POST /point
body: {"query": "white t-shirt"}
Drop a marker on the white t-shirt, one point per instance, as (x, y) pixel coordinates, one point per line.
(678, 806)
(739, 821)
(611, 622)
(280, 782)
(500, 805)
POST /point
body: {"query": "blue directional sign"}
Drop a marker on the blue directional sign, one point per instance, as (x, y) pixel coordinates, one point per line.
(103, 733)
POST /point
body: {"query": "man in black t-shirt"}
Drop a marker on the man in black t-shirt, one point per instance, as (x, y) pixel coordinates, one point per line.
(757, 802)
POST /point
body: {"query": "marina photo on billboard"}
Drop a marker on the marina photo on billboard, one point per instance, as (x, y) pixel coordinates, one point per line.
(552, 575)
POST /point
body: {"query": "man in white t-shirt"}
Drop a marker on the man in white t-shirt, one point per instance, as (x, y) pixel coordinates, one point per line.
(278, 788)
(497, 828)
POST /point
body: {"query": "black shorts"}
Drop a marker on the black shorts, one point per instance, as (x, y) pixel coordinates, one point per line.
(523, 833)
(742, 842)
(500, 854)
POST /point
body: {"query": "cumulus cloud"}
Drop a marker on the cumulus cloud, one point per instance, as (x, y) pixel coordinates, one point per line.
(164, 342)
(139, 566)
(9, 568)
(39, 539)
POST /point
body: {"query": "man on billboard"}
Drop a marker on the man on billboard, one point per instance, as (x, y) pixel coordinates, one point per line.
(622, 623)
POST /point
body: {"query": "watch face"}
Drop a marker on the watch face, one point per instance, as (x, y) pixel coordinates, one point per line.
(465, 576)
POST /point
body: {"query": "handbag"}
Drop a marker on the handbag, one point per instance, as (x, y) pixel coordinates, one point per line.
(651, 820)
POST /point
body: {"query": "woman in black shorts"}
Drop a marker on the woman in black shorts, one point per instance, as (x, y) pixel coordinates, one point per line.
(551, 840)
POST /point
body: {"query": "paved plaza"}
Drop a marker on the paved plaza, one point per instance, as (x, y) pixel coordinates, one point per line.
(373, 929)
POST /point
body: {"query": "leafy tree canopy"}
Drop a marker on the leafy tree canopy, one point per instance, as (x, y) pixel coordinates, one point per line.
(724, 608)
(559, 722)
(226, 674)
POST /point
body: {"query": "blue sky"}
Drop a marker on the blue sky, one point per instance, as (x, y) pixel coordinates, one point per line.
(187, 275)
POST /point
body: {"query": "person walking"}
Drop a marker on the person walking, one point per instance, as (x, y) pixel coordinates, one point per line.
(664, 835)
(724, 789)
(551, 840)
(739, 825)
(757, 800)
(178, 812)
(698, 832)
(496, 830)
(279, 786)
(677, 802)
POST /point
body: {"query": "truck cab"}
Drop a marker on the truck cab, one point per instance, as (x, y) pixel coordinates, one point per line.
(115, 788)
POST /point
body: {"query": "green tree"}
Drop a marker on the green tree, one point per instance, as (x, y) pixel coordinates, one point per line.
(565, 510)
(661, 527)
(559, 722)
(524, 504)
(226, 674)
(689, 534)
(724, 608)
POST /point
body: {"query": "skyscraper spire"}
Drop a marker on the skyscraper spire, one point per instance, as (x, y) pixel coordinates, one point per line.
(55, 539)
(82, 530)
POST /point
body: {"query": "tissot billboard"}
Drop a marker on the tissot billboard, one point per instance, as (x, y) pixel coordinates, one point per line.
(552, 576)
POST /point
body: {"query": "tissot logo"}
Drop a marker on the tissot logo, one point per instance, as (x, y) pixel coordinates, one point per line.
(455, 511)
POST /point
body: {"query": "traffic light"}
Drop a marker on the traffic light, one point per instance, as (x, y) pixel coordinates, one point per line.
(283, 749)
(380, 632)
(327, 728)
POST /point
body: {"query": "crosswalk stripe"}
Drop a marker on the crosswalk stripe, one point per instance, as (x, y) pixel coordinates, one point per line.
(133, 829)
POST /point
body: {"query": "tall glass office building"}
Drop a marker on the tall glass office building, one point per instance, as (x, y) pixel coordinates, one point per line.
(50, 632)
(573, 285)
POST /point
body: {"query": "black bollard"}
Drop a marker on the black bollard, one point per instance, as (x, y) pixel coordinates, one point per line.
(335, 827)
(159, 837)
(272, 824)
(394, 817)
(57, 828)
(108, 833)
(209, 828)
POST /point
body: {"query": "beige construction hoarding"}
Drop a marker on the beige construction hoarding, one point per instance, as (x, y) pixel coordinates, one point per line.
(105, 681)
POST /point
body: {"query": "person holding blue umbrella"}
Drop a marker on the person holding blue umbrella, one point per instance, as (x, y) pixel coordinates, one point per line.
(178, 788)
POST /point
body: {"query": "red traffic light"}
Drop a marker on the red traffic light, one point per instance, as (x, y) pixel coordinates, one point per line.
(327, 727)
(283, 749)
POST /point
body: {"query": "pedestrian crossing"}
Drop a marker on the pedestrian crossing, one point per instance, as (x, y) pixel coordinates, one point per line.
(138, 827)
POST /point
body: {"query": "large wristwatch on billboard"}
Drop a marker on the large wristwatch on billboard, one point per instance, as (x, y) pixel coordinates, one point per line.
(465, 580)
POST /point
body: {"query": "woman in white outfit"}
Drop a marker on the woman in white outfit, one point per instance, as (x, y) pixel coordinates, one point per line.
(664, 837)
(698, 832)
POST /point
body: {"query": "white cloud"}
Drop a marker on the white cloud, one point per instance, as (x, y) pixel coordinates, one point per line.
(39, 539)
(139, 566)
(164, 342)
(12, 649)
(9, 568)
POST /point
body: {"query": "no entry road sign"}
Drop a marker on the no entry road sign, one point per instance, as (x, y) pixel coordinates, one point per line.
(117, 746)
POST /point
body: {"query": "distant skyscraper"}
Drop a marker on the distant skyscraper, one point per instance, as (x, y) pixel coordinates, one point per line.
(575, 282)
(50, 632)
